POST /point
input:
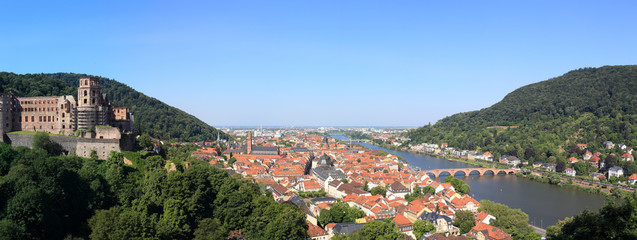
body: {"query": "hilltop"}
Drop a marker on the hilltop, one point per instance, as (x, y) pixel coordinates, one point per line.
(545, 119)
(152, 116)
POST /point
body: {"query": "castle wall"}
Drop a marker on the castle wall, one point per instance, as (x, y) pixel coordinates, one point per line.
(103, 147)
(72, 145)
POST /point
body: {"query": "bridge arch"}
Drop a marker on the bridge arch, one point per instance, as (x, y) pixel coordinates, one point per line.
(436, 173)
(445, 171)
(464, 173)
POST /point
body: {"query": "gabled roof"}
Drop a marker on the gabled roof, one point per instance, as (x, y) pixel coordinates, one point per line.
(490, 231)
(398, 187)
(401, 221)
(347, 228)
(279, 189)
(315, 231)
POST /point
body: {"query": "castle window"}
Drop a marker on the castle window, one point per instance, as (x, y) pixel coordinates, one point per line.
(93, 100)
(85, 101)
(93, 93)
(85, 93)
(63, 126)
(26, 119)
(85, 82)
(62, 114)
(49, 118)
(32, 118)
(40, 120)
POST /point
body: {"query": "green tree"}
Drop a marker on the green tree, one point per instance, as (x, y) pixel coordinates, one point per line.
(613, 221)
(385, 230)
(428, 189)
(460, 186)
(290, 224)
(553, 231)
(325, 217)
(94, 154)
(210, 229)
(42, 141)
(378, 190)
(465, 220)
(512, 221)
(421, 227)
(145, 142)
(342, 212)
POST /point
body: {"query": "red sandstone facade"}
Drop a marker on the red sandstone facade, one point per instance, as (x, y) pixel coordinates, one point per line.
(62, 114)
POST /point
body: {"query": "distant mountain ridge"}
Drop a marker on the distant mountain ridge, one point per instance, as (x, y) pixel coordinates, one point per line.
(152, 116)
(588, 105)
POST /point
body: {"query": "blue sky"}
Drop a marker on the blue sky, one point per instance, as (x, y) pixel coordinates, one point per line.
(327, 63)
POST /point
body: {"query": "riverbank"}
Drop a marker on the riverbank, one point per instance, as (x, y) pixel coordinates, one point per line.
(535, 198)
(572, 183)
(580, 184)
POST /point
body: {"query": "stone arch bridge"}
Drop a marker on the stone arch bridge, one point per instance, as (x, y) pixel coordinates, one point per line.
(469, 171)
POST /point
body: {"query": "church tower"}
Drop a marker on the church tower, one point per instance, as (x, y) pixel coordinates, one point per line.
(249, 142)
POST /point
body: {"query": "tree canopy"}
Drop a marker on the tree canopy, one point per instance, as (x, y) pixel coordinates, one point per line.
(46, 196)
(616, 220)
(422, 227)
(340, 212)
(465, 220)
(378, 190)
(460, 186)
(512, 221)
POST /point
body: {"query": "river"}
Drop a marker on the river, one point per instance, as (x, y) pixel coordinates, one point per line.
(545, 204)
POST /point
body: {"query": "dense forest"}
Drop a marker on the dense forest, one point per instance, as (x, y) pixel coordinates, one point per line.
(44, 196)
(152, 116)
(542, 121)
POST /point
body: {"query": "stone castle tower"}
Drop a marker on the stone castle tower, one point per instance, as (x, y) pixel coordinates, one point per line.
(93, 108)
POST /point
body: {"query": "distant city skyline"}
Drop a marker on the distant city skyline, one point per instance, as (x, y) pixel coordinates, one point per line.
(323, 63)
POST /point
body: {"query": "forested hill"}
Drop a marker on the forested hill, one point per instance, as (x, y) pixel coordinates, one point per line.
(589, 105)
(151, 115)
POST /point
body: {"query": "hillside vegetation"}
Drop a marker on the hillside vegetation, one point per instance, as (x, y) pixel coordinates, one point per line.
(587, 106)
(152, 116)
(45, 196)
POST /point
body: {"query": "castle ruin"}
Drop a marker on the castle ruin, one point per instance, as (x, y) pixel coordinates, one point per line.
(92, 115)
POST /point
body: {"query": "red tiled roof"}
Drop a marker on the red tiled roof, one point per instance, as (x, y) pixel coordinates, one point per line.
(315, 231)
(401, 221)
(491, 231)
